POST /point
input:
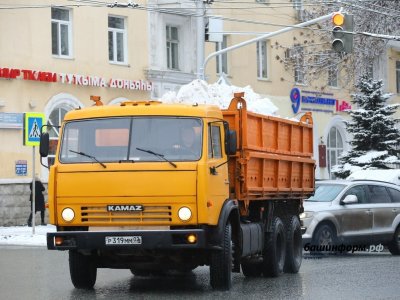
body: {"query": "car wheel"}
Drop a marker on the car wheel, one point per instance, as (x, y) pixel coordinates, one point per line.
(221, 262)
(275, 249)
(394, 246)
(82, 269)
(324, 238)
(294, 249)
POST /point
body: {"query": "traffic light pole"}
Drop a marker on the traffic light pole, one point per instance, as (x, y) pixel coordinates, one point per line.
(201, 74)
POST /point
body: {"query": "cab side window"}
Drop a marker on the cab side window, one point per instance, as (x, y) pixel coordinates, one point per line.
(214, 142)
(358, 191)
(378, 194)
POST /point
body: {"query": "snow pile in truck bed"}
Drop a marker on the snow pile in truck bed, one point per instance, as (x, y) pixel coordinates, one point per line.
(220, 94)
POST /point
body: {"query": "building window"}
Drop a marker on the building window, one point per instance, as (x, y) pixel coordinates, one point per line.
(398, 77)
(334, 148)
(369, 70)
(55, 119)
(297, 4)
(172, 47)
(61, 29)
(299, 69)
(333, 75)
(222, 59)
(262, 60)
(117, 40)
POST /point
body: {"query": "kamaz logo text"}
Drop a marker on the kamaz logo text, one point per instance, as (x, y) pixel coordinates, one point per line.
(124, 207)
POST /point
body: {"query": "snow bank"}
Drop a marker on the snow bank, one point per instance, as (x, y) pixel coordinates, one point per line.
(220, 94)
(22, 235)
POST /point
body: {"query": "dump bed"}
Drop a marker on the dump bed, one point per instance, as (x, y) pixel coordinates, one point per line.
(274, 157)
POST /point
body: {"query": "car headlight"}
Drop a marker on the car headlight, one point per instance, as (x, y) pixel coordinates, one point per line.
(68, 214)
(184, 213)
(306, 214)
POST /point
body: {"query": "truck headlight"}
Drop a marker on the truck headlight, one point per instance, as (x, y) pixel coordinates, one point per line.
(68, 214)
(184, 213)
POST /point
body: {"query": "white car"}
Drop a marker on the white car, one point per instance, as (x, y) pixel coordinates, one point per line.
(358, 212)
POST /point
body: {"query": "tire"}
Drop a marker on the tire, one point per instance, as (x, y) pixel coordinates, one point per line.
(294, 246)
(251, 269)
(325, 235)
(275, 249)
(394, 245)
(82, 269)
(221, 263)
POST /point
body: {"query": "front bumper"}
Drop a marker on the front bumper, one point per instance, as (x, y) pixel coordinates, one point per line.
(151, 239)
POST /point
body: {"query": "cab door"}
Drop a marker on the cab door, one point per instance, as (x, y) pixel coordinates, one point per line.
(217, 169)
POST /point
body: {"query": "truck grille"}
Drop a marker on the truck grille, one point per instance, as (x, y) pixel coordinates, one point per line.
(99, 214)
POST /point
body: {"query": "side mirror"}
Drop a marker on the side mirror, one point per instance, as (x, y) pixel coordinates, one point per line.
(231, 142)
(44, 144)
(350, 199)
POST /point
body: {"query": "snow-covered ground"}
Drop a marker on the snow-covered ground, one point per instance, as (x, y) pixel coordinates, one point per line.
(22, 235)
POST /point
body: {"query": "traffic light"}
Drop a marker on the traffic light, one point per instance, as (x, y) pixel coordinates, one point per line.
(342, 32)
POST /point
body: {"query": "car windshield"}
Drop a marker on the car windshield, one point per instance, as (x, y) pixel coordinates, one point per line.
(130, 139)
(326, 192)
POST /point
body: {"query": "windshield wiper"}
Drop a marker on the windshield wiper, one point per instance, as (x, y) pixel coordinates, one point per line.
(90, 156)
(158, 155)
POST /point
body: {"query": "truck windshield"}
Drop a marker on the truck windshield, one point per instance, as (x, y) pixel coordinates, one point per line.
(132, 140)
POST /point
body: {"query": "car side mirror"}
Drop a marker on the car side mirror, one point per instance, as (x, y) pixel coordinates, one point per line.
(349, 199)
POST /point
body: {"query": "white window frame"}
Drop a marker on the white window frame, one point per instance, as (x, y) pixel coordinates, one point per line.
(397, 66)
(299, 68)
(262, 60)
(114, 32)
(298, 4)
(333, 75)
(170, 43)
(69, 27)
(334, 149)
(222, 59)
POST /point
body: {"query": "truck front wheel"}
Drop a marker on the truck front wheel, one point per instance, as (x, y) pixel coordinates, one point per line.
(221, 262)
(82, 269)
(274, 249)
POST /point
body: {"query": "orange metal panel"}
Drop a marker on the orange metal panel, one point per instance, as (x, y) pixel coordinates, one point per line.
(274, 158)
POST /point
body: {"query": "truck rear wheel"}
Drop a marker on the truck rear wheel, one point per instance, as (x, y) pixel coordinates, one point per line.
(221, 262)
(82, 269)
(275, 249)
(294, 250)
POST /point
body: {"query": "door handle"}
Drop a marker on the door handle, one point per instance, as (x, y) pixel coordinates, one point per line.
(394, 209)
(368, 212)
(226, 181)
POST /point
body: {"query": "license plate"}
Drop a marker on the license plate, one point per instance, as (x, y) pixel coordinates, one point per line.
(123, 240)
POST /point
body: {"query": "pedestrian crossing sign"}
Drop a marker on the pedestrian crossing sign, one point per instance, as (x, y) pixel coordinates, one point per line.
(33, 123)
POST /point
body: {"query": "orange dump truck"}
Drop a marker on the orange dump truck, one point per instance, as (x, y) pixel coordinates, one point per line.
(155, 187)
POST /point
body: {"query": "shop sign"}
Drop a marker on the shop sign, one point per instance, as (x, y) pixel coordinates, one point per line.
(21, 167)
(11, 120)
(75, 79)
(316, 101)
